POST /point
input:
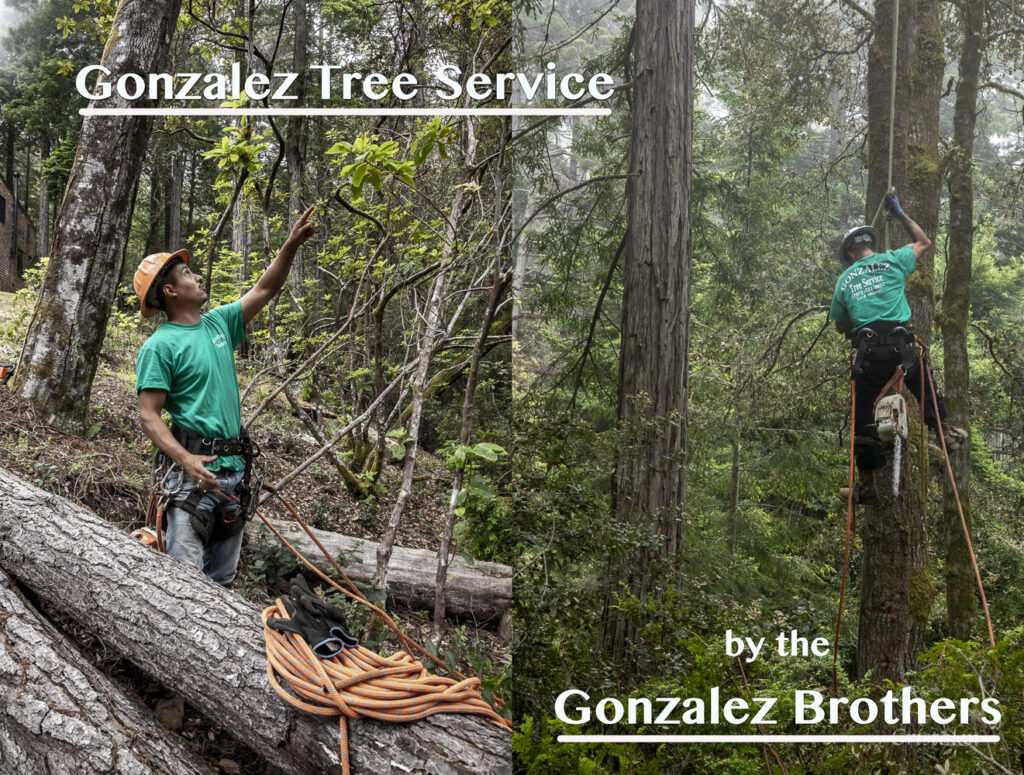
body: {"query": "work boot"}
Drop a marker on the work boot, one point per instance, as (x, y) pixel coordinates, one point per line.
(955, 438)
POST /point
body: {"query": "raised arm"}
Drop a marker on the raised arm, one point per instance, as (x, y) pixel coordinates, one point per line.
(919, 240)
(272, 281)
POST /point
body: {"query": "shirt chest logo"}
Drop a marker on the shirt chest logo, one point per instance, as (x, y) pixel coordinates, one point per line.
(220, 341)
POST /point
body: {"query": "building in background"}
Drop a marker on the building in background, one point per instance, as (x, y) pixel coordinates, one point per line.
(14, 262)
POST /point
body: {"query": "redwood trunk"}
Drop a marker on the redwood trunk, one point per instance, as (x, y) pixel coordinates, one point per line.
(651, 470)
(897, 587)
(62, 346)
(956, 305)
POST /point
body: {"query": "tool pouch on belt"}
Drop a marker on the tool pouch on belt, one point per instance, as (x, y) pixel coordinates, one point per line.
(224, 519)
(216, 524)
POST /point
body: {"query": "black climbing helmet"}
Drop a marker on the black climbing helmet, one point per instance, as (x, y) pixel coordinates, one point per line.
(857, 237)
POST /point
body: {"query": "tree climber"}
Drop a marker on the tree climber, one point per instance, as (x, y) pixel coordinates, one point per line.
(188, 367)
(869, 306)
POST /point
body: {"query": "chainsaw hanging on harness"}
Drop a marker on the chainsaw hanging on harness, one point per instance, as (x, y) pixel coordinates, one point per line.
(891, 425)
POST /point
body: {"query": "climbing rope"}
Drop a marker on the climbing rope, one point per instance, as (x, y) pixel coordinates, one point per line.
(849, 535)
(358, 682)
(960, 511)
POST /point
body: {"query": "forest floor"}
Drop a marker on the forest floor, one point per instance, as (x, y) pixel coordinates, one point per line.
(108, 472)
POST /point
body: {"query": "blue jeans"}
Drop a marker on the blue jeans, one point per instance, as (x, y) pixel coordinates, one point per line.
(219, 558)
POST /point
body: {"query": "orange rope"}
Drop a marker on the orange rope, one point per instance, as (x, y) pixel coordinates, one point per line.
(846, 550)
(960, 510)
(360, 683)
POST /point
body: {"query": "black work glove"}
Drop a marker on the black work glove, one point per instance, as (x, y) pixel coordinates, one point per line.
(318, 608)
(892, 204)
(315, 630)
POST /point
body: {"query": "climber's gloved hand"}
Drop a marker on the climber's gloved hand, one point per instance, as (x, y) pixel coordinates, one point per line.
(315, 630)
(892, 204)
(321, 609)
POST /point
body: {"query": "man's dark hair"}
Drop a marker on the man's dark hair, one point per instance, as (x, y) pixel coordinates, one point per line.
(155, 297)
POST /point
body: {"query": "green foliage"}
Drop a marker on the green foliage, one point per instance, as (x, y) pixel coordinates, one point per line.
(271, 562)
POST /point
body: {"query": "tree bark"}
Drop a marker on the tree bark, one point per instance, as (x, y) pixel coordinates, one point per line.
(294, 145)
(58, 713)
(206, 643)
(481, 592)
(956, 306)
(897, 587)
(177, 182)
(650, 477)
(61, 351)
(43, 211)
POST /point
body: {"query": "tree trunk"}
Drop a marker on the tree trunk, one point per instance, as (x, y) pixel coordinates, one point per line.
(61, 351)
(897, 586)
(177, 182)
(481, 592)
(9, 156)
(956, 306)
(923, 185)
(58, 713)
(206, 643)
(294, 149)
(155, 242)
(43, 212)
(650, 477)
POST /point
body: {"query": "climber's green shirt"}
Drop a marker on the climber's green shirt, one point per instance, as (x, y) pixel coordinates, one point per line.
(872, 289)
(195, 364)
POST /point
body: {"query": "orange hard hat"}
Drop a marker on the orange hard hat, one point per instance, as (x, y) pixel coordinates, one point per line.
(147, 272)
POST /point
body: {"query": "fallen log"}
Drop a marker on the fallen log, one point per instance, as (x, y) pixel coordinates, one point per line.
(58, 713)
(481, 592)
(206, 643)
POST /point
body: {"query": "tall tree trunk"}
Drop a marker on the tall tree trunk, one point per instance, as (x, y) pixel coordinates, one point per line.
(174, 202)
(897, 587)
(58, 361)
(43, 221)
(650, 476)
(294, 149)
(9, 156)
(154, 232)
(956, 305)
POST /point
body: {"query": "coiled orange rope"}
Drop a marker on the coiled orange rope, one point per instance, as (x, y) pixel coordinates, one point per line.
(359, 682)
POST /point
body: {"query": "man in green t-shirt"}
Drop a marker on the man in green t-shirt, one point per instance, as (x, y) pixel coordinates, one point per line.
(188, 368)
(870, 307)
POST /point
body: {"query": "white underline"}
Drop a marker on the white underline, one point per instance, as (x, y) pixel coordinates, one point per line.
(345, 111)
(946, 739)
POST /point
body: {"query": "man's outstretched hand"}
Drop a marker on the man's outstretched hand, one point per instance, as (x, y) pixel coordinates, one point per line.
(892, 204)
(302, 230)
